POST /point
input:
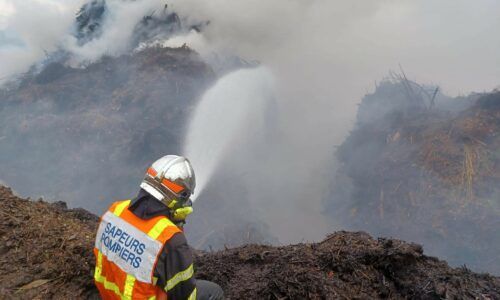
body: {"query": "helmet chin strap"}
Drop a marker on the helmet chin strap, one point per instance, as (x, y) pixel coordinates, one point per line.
(152, 191)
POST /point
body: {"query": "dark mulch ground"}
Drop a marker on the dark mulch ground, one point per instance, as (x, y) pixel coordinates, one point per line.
(46, 253)
(345, 265)
(45, 250)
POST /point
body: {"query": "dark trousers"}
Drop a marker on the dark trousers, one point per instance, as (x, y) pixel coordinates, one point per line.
(207, 290)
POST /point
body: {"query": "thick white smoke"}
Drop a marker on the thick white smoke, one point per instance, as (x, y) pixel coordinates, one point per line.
(40, 27)
(356, 41)
(118, 26)
(35, 29)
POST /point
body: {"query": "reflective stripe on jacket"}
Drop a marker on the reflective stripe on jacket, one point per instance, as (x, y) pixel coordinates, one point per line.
(126, 250)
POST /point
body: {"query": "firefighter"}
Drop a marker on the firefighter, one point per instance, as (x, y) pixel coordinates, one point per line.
(141, 251)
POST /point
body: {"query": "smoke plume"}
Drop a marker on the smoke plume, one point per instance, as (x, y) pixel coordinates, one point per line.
(326, 55)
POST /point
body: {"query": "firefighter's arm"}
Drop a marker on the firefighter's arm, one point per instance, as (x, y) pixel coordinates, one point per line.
(175, 269)
(161, 296)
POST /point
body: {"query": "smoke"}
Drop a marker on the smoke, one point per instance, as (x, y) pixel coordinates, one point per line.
(340, 47)
(324, 54)
(119, 24)
(358, 41)
(35, 28)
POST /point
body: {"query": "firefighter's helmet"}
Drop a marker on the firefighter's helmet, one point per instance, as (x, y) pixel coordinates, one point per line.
(171, 180)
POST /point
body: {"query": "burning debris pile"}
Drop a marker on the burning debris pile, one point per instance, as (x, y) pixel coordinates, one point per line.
(68, 127)
(158, 24)
(88, 135)
(84, 126)
(47, 253)
(426, 169)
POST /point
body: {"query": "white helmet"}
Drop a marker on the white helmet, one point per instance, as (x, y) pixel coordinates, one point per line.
(170, 180)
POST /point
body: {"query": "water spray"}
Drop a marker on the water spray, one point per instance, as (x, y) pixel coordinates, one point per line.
(233, 108)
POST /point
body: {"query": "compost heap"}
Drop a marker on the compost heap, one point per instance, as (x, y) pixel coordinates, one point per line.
(87, 135)
(113, 117)
(424, 167)
(46, 253)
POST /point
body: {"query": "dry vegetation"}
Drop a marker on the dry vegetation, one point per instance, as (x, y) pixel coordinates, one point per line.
(428, 174)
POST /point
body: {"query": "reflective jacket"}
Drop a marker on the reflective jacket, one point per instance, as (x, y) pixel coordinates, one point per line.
(127, 249)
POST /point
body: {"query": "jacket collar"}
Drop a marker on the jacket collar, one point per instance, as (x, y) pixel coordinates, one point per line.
(147, 207)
